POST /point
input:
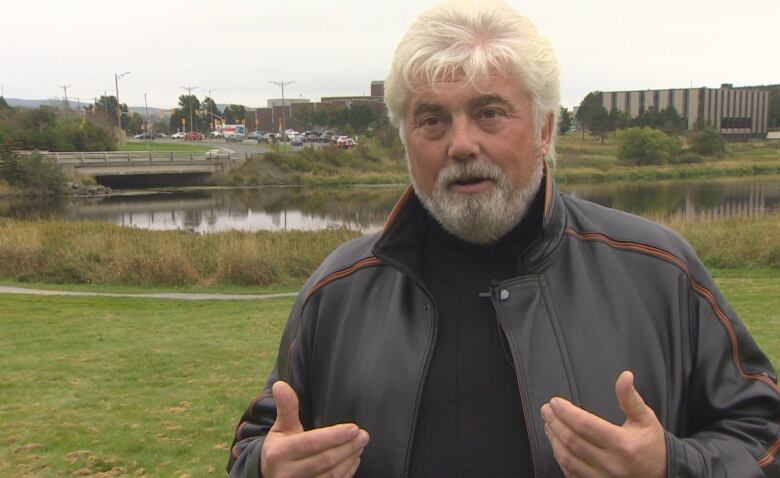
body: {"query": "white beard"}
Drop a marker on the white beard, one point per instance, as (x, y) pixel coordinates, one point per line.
(480, 218)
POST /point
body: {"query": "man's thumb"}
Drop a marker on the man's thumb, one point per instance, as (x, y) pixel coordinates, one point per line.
(630, 401)
(287, 418)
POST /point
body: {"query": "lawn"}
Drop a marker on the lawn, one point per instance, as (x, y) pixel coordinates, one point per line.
(125, 387)
(91, 385)
(156, 146)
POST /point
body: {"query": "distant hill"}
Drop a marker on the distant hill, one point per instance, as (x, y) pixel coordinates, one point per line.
(57, 103)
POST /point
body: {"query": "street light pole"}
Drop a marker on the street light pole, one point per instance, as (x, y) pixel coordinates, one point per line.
(146, 117)
(283, 84)
(119, 108)
(211, 116)
(189, 93)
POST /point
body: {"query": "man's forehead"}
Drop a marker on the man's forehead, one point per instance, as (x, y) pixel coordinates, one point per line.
(461, 91)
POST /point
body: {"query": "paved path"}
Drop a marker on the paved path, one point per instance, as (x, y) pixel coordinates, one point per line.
(155, 295)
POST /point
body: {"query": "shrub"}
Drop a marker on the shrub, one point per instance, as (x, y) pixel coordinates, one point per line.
(646, 146)
(688, 158)
(708, 141)
(31, 171)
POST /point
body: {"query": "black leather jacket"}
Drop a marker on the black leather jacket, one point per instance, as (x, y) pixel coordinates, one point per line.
(601, 292)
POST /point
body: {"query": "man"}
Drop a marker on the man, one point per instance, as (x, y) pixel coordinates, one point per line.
(497, 327)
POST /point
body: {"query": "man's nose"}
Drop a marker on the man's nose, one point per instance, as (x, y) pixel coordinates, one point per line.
(464, 145)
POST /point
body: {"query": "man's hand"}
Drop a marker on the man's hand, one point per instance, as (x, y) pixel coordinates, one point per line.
(587, 445)
(288, 450)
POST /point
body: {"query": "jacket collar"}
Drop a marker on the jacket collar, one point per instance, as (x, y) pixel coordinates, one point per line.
(404, 230)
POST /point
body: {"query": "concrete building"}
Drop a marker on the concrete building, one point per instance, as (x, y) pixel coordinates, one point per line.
(378, 88)
(737, 112)
(274, 102)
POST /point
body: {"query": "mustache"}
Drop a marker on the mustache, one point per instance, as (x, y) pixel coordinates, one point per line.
(469, 170)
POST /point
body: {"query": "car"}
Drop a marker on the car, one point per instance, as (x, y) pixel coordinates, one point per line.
(150, 135)
(296, 141)
(215, 134)
(178, 135)
(234, 138)
(345, 142)
(193, 136)
(255, 135)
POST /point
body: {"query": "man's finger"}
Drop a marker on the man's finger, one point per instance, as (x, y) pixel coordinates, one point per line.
(632, 404)
(287, 418)
(573, 442)
(330, 459)
(569, 463)
(346, 468)
(592, 428)
(313, 442)
(348, 471)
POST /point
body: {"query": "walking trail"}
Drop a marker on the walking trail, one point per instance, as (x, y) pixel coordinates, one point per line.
(153, 295)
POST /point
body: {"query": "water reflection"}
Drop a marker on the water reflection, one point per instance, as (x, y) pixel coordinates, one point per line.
(365, 208)
(711, 200)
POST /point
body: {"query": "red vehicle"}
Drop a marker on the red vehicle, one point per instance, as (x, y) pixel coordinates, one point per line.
(193, 136)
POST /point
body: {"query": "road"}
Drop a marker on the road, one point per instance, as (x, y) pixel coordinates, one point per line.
(245, 147)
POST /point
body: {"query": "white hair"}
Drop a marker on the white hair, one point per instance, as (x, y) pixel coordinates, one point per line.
(475, 39)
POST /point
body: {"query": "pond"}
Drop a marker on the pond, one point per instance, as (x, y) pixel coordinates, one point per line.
(365, 208)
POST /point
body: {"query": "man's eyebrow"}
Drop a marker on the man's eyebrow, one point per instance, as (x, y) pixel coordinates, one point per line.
(485, 100)
(423, 108)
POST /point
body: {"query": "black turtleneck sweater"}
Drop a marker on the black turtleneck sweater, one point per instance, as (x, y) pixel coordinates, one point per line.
(470, 420)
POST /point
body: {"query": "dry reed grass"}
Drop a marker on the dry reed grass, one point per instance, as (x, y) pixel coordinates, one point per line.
(98, 253)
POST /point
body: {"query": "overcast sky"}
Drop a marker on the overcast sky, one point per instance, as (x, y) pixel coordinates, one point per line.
(337, 47)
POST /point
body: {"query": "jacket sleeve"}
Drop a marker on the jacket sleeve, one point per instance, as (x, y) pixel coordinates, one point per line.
(244, 459)
(734, 404)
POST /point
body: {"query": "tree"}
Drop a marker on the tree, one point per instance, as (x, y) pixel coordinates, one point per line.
(4, 104)
(175, 122)
(593, 116)
(234, 114)
(619, 119)
(645, 146)
(135, 123)
(161, 127)
(189, 106)
(708, 141)
(564, 123)
(108, 105)
(212, 111)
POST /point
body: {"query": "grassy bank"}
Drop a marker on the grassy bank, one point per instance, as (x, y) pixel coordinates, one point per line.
(105, 254)
(101, 253)
(127, 387)
(588, 160)
(325, 166)
(579, 160)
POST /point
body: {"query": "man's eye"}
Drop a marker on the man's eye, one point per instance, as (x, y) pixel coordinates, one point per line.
(430, 121)
(491, 114)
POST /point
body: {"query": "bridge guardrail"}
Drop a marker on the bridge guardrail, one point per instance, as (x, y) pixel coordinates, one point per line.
(129, 156)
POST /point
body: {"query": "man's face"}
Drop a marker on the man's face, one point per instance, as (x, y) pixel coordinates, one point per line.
(475, 158)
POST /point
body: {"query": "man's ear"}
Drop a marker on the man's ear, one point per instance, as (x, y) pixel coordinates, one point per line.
(546, 134)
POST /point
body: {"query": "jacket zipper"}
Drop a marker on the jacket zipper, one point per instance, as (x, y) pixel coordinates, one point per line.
(423, 378)
(516, 361)
(426, 365)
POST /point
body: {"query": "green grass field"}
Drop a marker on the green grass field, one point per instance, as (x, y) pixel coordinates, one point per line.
(124, 387)
(155, 146)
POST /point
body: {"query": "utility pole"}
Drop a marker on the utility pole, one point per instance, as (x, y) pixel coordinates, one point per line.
(189, 92)
(146, 115)
(65, 106)
(119, 108)
(283, 84)
(211, 116)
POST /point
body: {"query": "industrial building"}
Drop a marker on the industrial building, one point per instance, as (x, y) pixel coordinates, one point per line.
(740, 112)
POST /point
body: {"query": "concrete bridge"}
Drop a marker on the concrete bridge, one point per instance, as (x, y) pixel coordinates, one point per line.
(145, 168)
